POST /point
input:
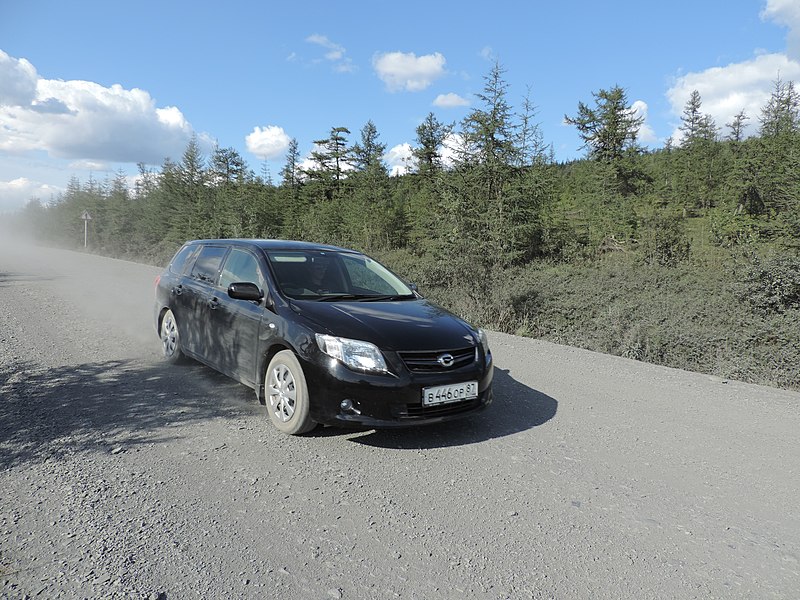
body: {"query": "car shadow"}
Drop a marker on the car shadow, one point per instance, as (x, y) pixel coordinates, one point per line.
(516, 407)
(111, 406)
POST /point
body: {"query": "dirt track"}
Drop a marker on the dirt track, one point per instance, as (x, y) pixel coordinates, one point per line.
(590, 477)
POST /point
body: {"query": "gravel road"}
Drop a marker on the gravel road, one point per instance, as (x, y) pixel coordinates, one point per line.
(590, 476)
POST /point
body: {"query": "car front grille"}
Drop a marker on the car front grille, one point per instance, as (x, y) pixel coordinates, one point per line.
(427, 362)
(417, 411)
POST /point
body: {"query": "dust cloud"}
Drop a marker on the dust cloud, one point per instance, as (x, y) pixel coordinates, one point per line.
(84, 280)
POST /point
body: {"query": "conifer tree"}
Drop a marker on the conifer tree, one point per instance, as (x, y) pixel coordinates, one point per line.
(431, 135)
(609, 131)
(290, 173)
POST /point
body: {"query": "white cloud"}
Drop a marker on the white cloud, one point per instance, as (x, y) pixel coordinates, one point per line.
(646, 133)
(406, 71)
(85, 120)
(450, 100)
(746, 85)
(727, 90)
(91, 165)
(400, 159)
(335, 53)
(17, 81)
(307, 164)
(269, 142)
(16, 193)
(453, 145)
(786, 12)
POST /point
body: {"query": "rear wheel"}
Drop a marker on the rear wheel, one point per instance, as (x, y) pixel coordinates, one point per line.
(170, 339)
(287, 395)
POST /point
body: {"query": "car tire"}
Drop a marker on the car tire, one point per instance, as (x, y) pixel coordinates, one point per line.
(286, 394)
(170, 339)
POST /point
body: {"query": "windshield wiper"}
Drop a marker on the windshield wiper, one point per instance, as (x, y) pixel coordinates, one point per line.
(363, 297)
(388, 297)
(335, 297)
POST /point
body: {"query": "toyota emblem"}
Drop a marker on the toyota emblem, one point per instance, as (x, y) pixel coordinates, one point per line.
(446, 360)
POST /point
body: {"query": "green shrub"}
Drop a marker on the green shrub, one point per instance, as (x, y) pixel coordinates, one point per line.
(772, 284)
(663, 240)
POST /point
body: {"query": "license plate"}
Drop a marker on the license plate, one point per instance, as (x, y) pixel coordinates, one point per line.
(444, 394)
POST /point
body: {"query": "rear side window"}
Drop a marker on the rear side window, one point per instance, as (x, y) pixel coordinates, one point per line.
(207, 264)
(178, 263)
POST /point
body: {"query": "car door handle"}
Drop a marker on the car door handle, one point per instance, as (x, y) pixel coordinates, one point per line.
(213, 303)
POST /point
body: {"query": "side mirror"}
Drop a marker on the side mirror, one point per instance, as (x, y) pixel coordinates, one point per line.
(245, 291)
(413, 287)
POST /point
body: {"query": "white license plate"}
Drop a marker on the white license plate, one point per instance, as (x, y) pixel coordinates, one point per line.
(444, 394)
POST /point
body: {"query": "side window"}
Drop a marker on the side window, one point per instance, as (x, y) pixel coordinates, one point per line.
(207, 264)
(178, 263)
(240, 266)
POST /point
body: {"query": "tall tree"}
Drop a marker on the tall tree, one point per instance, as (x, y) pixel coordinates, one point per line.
(330, 160)
(781, 115)
(119, 217)
(482, 198)
(367, 155)
(431, 135)
(331, 157)
(227, 167)
(184, 186)
(369, 214)
(691, 119)
(779, 152)
(610, 128)
(701, 170)
(609, 131)
(530, 141)
(146, 182)
(488, 130)
(290, 173)
(736, 127)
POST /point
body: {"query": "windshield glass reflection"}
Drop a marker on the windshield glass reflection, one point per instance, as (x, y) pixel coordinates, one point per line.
(327, 276)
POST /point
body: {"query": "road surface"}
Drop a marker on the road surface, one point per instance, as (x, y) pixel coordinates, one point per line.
(590, 476)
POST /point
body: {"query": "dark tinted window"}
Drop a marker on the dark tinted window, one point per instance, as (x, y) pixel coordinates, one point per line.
(179, 262)
(207, 264)
(240, 266)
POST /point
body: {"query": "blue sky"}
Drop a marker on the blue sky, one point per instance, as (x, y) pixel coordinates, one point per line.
(90, 88)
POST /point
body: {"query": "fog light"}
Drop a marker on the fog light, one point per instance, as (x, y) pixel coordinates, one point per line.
(347, 407)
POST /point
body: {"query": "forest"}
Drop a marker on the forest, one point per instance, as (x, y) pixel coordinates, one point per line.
(686, 256)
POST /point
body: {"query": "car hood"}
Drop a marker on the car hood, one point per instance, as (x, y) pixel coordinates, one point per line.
(398, 325)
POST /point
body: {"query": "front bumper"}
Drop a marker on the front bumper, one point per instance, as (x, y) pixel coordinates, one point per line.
(388, 400)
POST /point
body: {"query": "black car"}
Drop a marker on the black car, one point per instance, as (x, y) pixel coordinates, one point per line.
(322, 334)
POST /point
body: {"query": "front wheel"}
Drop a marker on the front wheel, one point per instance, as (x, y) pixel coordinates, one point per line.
(170, 339)
(287, 394)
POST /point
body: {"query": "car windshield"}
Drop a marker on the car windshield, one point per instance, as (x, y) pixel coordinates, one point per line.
(329, 276)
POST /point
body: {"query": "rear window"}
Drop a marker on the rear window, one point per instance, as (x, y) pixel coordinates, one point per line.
(178, 263)
(207, 264)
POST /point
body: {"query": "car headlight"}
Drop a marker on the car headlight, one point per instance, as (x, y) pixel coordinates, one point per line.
(485, 345)
(359, 356)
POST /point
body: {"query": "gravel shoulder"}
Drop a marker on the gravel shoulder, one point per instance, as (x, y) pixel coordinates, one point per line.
(591, 476)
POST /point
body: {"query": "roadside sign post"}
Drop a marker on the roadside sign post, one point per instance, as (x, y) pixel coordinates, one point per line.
(86, 218)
